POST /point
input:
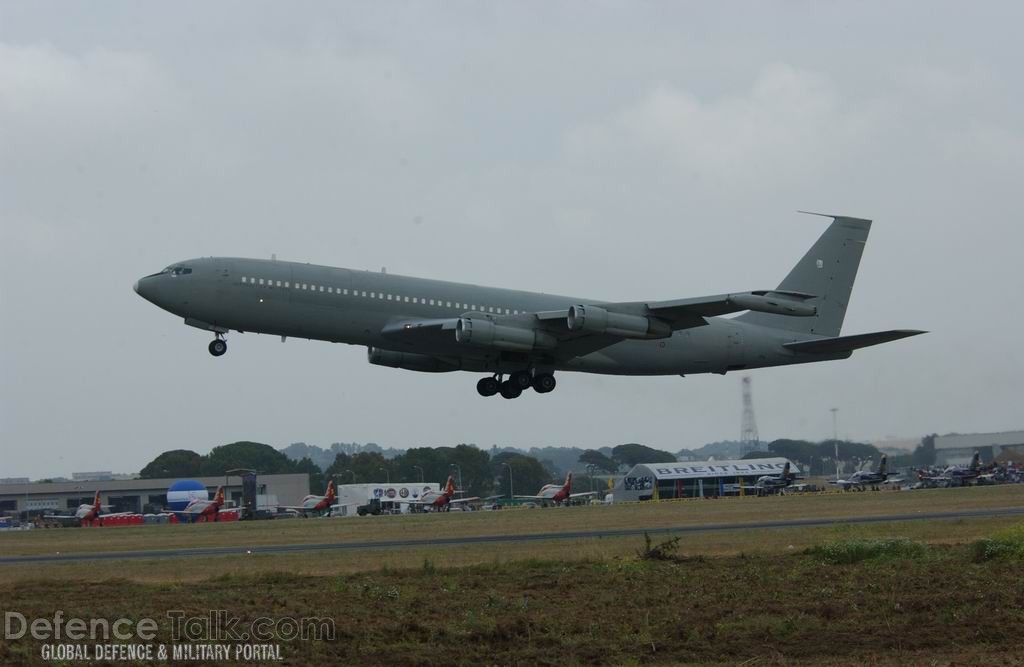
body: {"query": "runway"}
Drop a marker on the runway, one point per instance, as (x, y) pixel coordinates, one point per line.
(485, 539)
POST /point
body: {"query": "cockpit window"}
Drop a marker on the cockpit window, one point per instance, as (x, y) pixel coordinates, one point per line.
(177, 270)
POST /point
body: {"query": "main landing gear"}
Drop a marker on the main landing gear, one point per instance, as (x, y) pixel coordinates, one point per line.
(516, 383)
(218, 346)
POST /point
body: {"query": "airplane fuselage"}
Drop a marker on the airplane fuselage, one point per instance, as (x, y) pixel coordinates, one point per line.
(354, 307)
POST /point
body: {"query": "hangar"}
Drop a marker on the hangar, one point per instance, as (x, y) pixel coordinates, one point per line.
(696, 479)
(958, 449)
(137, 495)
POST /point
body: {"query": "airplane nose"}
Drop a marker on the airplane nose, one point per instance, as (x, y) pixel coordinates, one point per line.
(136, 287)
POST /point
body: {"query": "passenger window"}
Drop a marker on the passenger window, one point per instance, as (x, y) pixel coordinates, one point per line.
(261, 281)
(449, 304)
(287, 284)
(243, 279)
(278, 283)
(431, 302)
(321, 288)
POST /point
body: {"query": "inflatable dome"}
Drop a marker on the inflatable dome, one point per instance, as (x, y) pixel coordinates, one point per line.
(184, 491)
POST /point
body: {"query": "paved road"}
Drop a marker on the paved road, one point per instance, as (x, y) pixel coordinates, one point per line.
(484, 539)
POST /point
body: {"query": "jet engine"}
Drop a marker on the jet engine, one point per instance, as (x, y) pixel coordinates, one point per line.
(485, 333)
(408, 361)
(598, 320)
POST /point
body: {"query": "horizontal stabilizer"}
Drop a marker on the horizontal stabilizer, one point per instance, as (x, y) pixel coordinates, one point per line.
(848, 343)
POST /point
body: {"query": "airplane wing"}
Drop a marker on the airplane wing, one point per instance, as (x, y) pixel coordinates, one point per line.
(687, 313)
(463, 500)
(583, 495)
(584, 328)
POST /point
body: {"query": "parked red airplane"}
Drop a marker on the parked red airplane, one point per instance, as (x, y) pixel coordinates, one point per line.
(204, 510)
(558, 493)
(440, 502)
(85, 514)
(316, 504)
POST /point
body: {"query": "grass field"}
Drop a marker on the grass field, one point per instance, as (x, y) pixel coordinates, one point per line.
(932, 605)
(508, 522)
(770, 596)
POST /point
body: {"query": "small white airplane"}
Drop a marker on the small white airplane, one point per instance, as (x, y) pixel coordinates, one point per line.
(440, 501)
(558, 493)
(318, 505)
(86, 513)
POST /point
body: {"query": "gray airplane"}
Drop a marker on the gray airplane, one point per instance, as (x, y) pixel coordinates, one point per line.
(519, 339)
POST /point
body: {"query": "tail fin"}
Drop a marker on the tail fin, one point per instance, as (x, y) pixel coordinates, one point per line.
(449, 488)
(882, 464)
(96, 501)
(976, 461)
(568, 482)
(331, 493)
(827, 271)
(218, 498)
(785, 470)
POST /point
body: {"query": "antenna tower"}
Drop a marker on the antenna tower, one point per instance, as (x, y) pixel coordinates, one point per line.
(748, 433)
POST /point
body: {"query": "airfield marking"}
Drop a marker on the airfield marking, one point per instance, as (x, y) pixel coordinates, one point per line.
(483, 539)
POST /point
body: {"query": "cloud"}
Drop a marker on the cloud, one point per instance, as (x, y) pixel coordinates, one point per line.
(786, 126)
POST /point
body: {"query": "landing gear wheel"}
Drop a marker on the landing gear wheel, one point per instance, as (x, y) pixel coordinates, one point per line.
(521, 379)
(544, 383)
(218, 347)
(510, 390)
(487, 387)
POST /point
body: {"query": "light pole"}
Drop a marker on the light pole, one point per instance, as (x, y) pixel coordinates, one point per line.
(590, 471)
(421, 473)
(511, 495)
(835, 438)
(387, 475)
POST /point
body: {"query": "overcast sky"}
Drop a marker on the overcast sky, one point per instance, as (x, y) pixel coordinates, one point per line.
(614, 150)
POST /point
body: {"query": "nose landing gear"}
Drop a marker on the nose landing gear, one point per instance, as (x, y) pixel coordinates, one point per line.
(218, 346)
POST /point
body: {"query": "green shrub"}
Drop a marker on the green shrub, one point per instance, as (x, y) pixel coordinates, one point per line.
(1006, 544)
(665, 550)
(844, 552)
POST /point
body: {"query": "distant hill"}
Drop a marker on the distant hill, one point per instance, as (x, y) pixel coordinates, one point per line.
(720, 451)
(324, 457)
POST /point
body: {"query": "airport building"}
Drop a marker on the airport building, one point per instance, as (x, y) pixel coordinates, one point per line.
(958, 449)
(696, 479)
(140, 495)
(392, 497)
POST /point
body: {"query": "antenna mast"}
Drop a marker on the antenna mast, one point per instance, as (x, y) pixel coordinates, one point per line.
(749, 441)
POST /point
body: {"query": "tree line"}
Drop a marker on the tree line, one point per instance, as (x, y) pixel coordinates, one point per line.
(476, 471)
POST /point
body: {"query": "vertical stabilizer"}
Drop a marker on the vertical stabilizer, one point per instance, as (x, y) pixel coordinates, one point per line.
(827, 271)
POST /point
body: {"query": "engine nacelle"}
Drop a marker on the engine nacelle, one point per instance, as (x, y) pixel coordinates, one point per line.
(482, 332)
(600, 320)
(423, 363)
